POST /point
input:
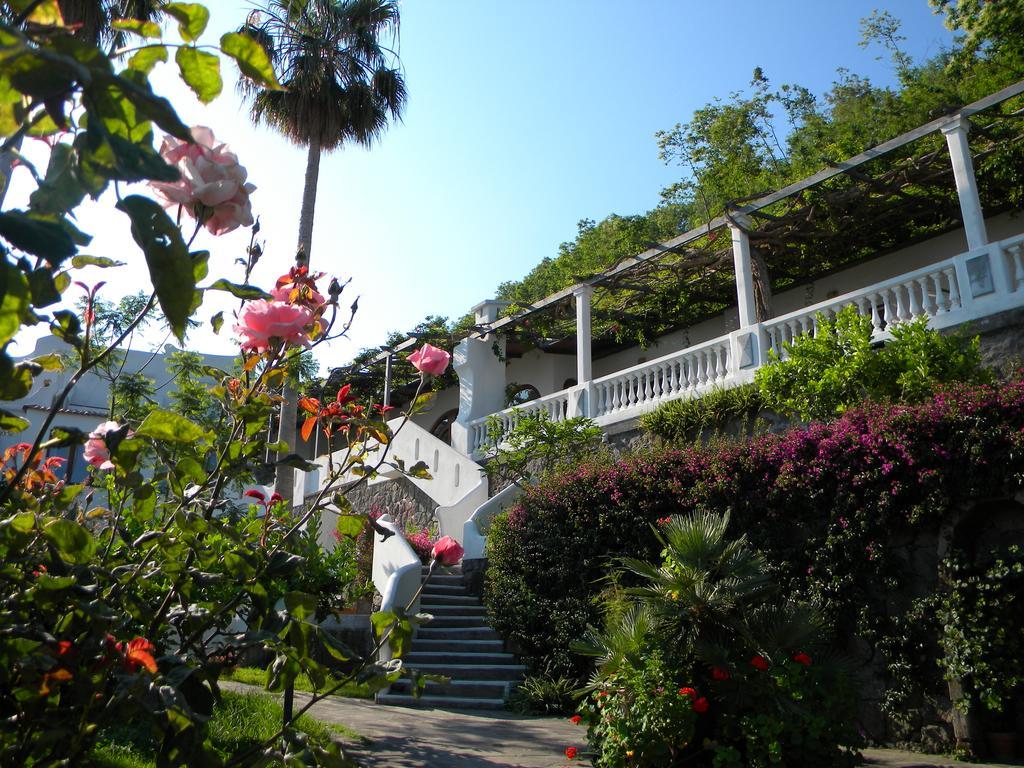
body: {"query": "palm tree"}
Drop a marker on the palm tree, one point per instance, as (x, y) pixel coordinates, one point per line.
(341, 85)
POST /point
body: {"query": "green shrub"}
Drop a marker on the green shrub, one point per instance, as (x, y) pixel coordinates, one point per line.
(983, 620)
(823, 502)
(682, 421)
(545, 694)
(711, 663)
(536, 445)
(839, 367)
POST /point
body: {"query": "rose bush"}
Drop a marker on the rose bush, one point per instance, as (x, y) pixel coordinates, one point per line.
(124, 597)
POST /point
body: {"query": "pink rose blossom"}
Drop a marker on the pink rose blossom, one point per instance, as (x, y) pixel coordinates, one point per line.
(262, 322)
(212, 187)
(430, 360)
(447, 551)
(96, 451)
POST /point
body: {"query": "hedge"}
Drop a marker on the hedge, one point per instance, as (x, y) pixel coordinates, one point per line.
(824, 502)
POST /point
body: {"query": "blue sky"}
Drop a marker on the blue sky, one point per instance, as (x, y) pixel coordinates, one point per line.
(523, 118)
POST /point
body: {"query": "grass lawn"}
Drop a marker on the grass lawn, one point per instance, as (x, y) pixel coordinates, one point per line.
(241, 720)
(257, 676)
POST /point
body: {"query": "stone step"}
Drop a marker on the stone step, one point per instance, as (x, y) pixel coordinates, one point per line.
(451, 570)
(475, 671)
(433, 588)
(457, 621)
(421, 645)
(453, 610)
(427, 632)
(475, 689)
(416, 657)
(449, 599)
(438, 702)
(445, 578)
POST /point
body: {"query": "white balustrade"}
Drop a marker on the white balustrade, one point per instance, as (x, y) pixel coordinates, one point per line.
(929, 292)
(555, 406)
(966, 287)
(677, 374)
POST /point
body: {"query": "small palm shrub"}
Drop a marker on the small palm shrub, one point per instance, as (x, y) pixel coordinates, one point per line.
(545, 694)
(711, 666)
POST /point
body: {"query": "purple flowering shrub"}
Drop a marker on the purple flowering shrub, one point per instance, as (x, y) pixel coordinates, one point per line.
(422, 542)
(827, 504)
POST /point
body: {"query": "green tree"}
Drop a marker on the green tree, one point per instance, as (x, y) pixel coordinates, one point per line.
(341, 85)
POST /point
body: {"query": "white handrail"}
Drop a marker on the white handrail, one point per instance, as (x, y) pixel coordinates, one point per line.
(396, 572)
(475, 534)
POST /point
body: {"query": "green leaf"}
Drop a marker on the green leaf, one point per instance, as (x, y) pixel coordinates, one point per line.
(217, 321)
(15, 380)
(283, 564)
(46, 13)
(53, 583)
(66, 326)
(43, 287)
(251, 58)
(301, 606)
(73, 542)
(170, 427)
(137, 26)
(11, 108)
(11, 423)
(238, 290)
(95, 261)
(200, 265)
(170, 265)
(350, 525)
(201, 72)
(22, 522)
(145, 59)
(192, 19)
(50, 362)
(60, 190)
(38, 236)
(14, 301)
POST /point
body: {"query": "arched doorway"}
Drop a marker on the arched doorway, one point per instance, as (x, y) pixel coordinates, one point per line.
(442, 428)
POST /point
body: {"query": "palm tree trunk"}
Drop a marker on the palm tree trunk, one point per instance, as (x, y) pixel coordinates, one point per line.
(284, 481)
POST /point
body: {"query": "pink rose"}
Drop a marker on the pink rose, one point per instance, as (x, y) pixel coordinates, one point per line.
(212, 187)
(262, 322)
(447, 551)
(96, 451)
(429, 359)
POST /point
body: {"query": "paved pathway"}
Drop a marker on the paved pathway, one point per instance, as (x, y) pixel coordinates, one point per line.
(398, 737)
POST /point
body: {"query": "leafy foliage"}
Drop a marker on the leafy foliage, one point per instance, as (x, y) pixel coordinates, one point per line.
(709, 659)
(536, 445)
(682, 421)
(822, 503)
(838, 367)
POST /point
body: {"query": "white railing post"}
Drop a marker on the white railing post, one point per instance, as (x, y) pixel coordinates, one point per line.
(744, 272)
(966, 182)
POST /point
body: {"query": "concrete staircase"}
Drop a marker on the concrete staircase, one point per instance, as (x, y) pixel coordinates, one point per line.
(460, 645)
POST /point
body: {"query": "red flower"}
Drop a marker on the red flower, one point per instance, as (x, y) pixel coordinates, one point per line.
(759, 662)
(700, 705)
(664, 520)
(258, 495)
(575, 719)
(720, 674)
(138, 653)
(447, 551)
(570, 752)
(802, 658)
(689, 692)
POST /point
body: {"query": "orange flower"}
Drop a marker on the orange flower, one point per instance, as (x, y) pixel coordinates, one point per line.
(720, 674)
(575, 719)
(138, 653)
(59, 675)
(700, 705)
(570, 752)
(802, 658)
(759, 662)
(688, 692)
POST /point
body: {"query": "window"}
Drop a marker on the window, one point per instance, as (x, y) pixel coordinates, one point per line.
(520, 394)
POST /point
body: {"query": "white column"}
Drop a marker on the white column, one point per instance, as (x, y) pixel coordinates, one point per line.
(966, 183)
(387, 380)
(744, 273)
(584, 361)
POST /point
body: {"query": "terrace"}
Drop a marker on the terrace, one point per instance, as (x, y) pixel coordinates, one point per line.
(904, 230)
